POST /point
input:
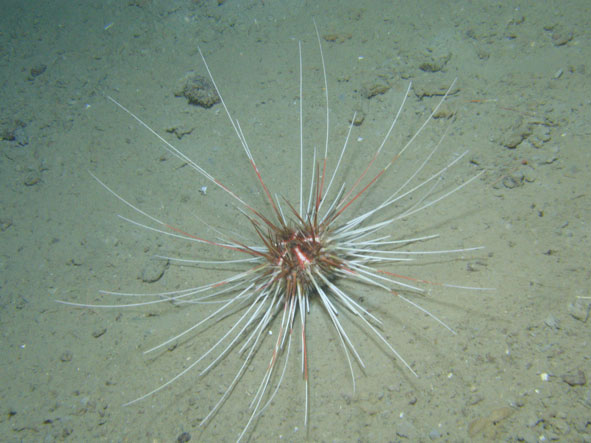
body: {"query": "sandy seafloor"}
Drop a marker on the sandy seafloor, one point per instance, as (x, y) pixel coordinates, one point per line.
(518, 368)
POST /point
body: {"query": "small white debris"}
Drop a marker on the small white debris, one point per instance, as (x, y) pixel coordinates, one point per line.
(544, 376)
(203, 190)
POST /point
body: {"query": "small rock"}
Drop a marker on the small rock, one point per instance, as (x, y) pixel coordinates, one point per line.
(552, 322)
(487, 427)
(184, 437)
(337, 37)
(199, 91)
(482, 53)
(37, 70)
(405, 429)
(475, 399)
(370, 90)
(5, 223)
(533, 420)
(99, 332)
(14, 131)
(579, 309)
(434, 434)
(66, 356)
(575, 378)
(435, 64)
(179, 131)
(561, 38)
(153, 271)
(539, 136)
(33, 178)
(76, 261)
(424, 89)
(513, 181)
(514, 139)
(444, 112)
(359, 118)
(499, 414)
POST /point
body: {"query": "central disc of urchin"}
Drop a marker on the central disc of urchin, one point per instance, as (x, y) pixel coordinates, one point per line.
(300, 251)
